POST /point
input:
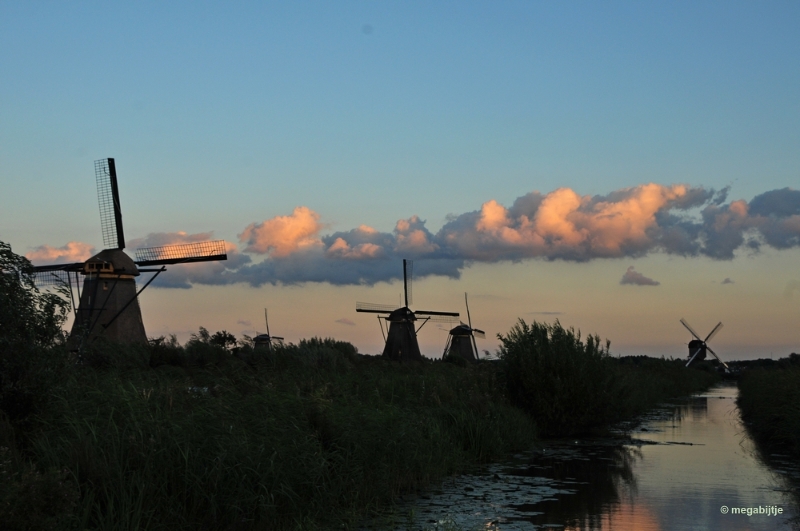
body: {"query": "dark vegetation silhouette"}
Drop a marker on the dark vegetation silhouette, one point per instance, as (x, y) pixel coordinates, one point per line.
(220, 434)
(769, 399)
(571, 386)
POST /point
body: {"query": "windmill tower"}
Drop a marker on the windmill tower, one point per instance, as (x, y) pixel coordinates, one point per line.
(461, 339)
(401, 339)
(698, 347)
(266, 340)
(108, 301)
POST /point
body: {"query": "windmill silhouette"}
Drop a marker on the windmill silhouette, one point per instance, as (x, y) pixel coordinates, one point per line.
(698, 347)
(108, 301)
(266, 340)
(461, 339)
(401, 339)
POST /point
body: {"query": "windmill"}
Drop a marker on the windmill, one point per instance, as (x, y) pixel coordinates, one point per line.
(108, 301)
(698, 347)
(266, 340)
(461, 339)
(401, 339)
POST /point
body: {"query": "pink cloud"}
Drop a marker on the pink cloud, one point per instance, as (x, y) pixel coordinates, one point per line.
(346, 321)
(283, 235)
(71, 252)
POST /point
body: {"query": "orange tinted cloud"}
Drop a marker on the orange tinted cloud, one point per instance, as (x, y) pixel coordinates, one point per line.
(71, 252)
(563, 222)
(283, 235)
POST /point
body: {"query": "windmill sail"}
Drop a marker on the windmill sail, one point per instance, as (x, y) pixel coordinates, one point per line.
(110, 211)
(182, 253)
(375, 308)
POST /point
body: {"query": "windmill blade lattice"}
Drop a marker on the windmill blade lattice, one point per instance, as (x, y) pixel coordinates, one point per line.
(713, 332)
(108, 197)
(408, 270)
(182, 253)
(375, 308)
(690, 329)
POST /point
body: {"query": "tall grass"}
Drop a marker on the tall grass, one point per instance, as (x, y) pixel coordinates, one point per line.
(571, 386)
(306, 436)
(769, 401)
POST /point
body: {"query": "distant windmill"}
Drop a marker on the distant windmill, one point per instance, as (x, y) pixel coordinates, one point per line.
(401, 340)
(698, 347)
(461, 340)
(266, 340)
(108, 303)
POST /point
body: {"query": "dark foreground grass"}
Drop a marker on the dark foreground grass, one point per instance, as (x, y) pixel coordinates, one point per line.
(309, 436)
(769, 401)
(312, 436)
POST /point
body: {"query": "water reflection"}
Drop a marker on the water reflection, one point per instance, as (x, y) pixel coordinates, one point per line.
(675, 471)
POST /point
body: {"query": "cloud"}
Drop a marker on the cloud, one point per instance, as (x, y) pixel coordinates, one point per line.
(66, 254)
(560, 225)
(637, 279)
(545, 313)
(244, 322)
(283, 235)
(183, 276)
(346, 321)
(727, 281)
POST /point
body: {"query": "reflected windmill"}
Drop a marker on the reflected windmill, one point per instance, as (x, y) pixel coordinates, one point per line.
(461, 339)
(698, 347)
(401, 338)
(108, 297)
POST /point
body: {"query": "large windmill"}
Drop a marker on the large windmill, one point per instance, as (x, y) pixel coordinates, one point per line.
(266, 340)
(108, 301)
(698, 347)
(401, 339)
(461, 339)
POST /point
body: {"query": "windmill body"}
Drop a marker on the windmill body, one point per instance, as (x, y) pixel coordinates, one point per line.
(461, 339)
(401, 338)
(108, 304)
(461, 343)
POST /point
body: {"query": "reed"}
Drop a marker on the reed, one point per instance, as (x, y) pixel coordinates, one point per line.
(307, 436)
(769, 401)
(573, 386)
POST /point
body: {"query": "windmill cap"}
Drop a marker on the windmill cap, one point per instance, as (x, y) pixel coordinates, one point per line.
(121, 262)
(402, 314)
(461, 330)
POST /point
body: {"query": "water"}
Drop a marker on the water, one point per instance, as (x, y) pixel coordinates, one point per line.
(681, 469)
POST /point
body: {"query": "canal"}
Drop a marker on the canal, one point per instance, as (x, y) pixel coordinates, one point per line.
(686, 466)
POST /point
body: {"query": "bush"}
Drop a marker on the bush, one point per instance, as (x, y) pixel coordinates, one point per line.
(564, 383)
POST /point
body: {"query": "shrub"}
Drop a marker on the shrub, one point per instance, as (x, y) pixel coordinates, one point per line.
(564, 383)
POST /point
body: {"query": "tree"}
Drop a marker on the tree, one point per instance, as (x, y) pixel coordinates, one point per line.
(27, 316)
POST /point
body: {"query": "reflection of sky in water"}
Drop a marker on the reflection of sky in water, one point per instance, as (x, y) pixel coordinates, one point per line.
(675, 473)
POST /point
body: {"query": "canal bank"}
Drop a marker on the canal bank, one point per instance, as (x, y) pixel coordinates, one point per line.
(687, 465)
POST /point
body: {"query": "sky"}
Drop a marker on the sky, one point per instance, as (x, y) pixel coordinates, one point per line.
(616, 166)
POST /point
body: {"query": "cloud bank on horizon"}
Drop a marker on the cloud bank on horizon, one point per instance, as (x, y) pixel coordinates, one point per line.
(560, 225)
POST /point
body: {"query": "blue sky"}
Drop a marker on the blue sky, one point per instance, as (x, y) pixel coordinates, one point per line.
(366, 113)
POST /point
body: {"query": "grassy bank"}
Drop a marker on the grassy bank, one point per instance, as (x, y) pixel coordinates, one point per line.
(769, 401)
(198, 438)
